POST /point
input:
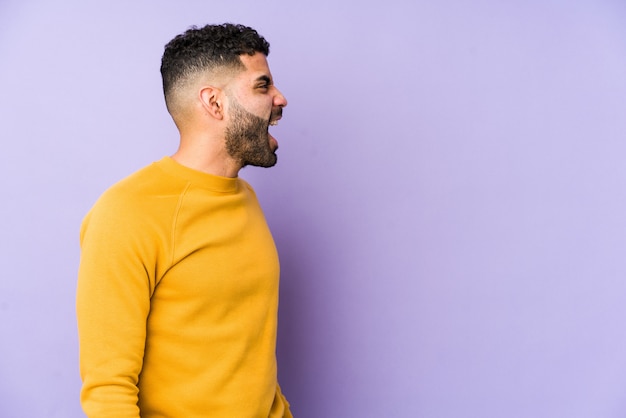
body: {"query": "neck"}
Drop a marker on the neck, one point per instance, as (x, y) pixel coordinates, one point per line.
(206, 154)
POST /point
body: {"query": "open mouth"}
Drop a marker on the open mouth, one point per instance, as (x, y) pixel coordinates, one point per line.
(276, 116)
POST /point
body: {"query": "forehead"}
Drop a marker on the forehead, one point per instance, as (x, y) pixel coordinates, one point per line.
(256, 66)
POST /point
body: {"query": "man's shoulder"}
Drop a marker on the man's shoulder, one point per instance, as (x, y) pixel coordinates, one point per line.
(146, 182)
(142, 180)
(132, 213)
(138, 194)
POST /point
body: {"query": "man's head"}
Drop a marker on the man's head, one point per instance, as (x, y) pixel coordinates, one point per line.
(216, 79)
(213, 51)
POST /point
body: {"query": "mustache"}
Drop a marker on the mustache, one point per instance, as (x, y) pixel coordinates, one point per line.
(278, 113)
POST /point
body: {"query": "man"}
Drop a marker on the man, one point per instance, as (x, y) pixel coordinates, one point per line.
(178, 282)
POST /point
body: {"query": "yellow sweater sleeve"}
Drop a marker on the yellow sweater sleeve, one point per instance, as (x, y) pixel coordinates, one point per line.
(113, 303)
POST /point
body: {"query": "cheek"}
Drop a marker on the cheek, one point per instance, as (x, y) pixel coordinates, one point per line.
(264, 108)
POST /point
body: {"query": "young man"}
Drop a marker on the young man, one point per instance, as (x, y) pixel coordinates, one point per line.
(178, 282)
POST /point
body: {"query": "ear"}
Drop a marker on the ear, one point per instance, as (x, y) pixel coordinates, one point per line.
(212, 100)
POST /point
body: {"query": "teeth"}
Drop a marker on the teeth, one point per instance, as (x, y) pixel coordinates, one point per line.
(274, 123)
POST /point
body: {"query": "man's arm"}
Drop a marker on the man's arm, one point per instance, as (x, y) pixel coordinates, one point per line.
(113, 302)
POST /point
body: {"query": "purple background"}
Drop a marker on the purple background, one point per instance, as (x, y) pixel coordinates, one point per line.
(449, 203)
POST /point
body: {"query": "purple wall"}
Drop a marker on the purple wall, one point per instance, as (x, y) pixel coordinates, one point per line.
(449, 203)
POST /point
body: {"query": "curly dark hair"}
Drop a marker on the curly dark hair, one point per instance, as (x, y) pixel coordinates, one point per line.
(207, 48)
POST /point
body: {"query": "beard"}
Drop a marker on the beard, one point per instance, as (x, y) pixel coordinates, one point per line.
(248, 139)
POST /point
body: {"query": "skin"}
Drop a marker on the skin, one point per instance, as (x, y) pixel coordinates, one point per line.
(227, 113)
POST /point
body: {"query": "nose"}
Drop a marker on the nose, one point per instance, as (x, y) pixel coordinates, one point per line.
(279, 99)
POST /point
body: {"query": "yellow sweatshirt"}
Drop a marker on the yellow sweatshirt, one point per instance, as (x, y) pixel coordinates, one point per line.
(177, 300)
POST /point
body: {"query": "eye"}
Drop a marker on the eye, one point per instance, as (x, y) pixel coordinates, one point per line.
(264, 83)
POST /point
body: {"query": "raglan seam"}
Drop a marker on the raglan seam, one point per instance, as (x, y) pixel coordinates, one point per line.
(174, 225)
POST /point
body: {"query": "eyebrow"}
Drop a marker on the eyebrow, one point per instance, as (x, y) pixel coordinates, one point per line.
(264, 78)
